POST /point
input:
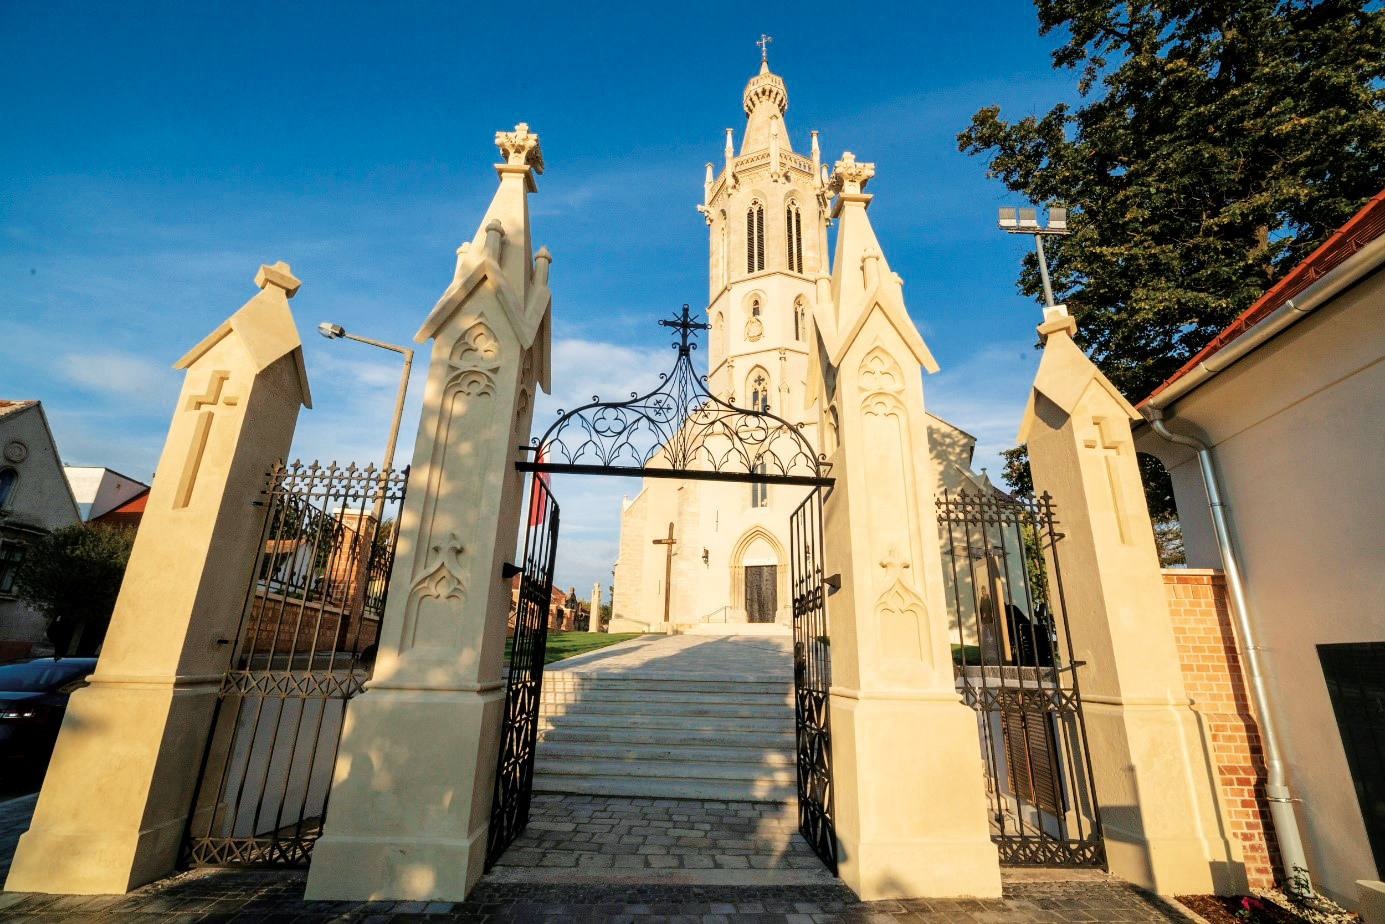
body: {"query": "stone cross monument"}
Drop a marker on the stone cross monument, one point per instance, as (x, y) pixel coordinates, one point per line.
(115, 800)
(1158, 808)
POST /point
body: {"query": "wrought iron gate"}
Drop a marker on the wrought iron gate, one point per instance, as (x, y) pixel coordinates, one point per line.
(305, 646)
(812, 677)
(514, 774)
(1013, 660)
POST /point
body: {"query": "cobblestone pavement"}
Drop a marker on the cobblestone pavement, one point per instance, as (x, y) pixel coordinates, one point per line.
(699, 657)
(249, 897)
(687, 841)
(220, 897)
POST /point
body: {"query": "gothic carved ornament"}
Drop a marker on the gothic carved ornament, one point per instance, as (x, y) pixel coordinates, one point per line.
(474, 361)
(520, 147)
(850, 177)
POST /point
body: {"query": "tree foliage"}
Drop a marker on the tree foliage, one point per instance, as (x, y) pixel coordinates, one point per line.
(72, 576)
(1217, 144)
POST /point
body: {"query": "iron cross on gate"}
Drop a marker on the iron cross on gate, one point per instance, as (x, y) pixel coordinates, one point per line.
(668, 544)
(686, 326)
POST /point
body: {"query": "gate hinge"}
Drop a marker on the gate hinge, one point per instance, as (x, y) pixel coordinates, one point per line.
(509, 570)
(833, 581)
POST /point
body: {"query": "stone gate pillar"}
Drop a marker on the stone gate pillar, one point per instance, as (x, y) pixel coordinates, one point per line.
(411, 794)
(120, 785)
(911, 813)
(1153, 779)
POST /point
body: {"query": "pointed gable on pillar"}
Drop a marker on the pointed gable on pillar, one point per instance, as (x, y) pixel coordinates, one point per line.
(1065, 375)
(499, 259)
(862, 283)
(264, 325)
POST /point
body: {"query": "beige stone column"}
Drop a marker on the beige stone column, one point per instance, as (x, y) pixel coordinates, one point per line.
(411, 794)
(115, 800)
(911, 813)
(594, 621)
(1153, 779)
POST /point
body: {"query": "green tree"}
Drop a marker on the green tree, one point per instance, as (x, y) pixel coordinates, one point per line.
(72, 576)
(1216, 145)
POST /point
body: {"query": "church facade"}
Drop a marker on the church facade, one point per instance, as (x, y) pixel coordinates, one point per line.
(713, 554)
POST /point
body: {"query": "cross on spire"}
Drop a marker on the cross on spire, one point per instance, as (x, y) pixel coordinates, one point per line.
(687, 328)
(764, 47)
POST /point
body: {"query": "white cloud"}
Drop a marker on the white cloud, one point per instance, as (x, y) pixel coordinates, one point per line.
(118, 373)
(984, 393)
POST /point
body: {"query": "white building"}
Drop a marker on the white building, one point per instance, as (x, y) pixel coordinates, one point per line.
(767, 219)
(34, 500)
(100, 490)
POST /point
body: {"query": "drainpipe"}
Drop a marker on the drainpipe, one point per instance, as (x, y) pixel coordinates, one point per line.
(1282, 815)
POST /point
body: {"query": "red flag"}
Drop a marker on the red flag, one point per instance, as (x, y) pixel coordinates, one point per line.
(536, 505)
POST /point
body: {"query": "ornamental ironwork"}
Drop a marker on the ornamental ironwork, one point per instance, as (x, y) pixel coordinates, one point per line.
(678, 430)
(306, 644)
(1014, 666)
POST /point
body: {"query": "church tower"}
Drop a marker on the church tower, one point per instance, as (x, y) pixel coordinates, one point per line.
(767, 230)
(727, 561)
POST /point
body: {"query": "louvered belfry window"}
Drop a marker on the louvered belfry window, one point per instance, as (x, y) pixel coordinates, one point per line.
(755, 238)
(793, 225)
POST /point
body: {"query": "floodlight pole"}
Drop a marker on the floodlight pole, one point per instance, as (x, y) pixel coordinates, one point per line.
(336, 331)
(1043, 270)
(1025, 221)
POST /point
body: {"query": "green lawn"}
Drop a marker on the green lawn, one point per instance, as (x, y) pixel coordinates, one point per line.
(567, 644)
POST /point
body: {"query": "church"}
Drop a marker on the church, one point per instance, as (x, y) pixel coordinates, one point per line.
(711, 557)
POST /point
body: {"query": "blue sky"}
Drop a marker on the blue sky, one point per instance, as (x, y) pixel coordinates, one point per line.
(153, 155)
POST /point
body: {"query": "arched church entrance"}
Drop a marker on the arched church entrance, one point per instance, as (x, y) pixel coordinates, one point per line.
(759, 578)
(680, 431)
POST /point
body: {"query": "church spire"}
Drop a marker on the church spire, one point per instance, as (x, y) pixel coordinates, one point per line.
(765, 100)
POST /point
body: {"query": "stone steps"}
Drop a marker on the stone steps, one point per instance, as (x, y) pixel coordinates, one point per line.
(679, 733)
(667, 737)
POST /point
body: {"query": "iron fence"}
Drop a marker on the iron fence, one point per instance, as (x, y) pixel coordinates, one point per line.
(1014, 665)
(308, 633)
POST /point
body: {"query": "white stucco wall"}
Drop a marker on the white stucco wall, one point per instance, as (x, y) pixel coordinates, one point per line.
(1298, 434)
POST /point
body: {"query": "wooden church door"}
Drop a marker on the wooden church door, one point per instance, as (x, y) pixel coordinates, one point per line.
(761, 596)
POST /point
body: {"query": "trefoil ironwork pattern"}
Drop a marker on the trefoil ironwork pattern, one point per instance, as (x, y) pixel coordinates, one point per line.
(679, 429)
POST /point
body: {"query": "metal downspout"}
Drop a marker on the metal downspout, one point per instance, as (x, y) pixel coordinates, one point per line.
(1282, 815)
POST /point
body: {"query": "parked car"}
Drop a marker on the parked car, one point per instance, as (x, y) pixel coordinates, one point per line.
(33, 698)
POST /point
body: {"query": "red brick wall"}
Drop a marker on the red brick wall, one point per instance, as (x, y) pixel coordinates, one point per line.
(1207, 650)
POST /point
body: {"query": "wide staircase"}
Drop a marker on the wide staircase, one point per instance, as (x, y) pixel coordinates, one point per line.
(639, 733)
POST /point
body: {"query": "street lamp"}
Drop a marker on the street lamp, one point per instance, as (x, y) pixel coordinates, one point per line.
(336, 332)
(1026, 221)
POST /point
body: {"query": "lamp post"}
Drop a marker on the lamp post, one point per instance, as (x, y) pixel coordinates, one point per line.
(335, 332)
(1026, 221)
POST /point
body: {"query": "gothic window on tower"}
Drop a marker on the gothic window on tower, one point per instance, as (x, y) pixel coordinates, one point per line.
(793, 226)
(759, 491)
(800, 318)
(759, 392)
(755, 237)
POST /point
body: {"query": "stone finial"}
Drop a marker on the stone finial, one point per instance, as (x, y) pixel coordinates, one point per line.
(870, 264)
(542, 260)
(495, 234)
(278, 275)
(520, 147)
(1057, 321)
(850, 177)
